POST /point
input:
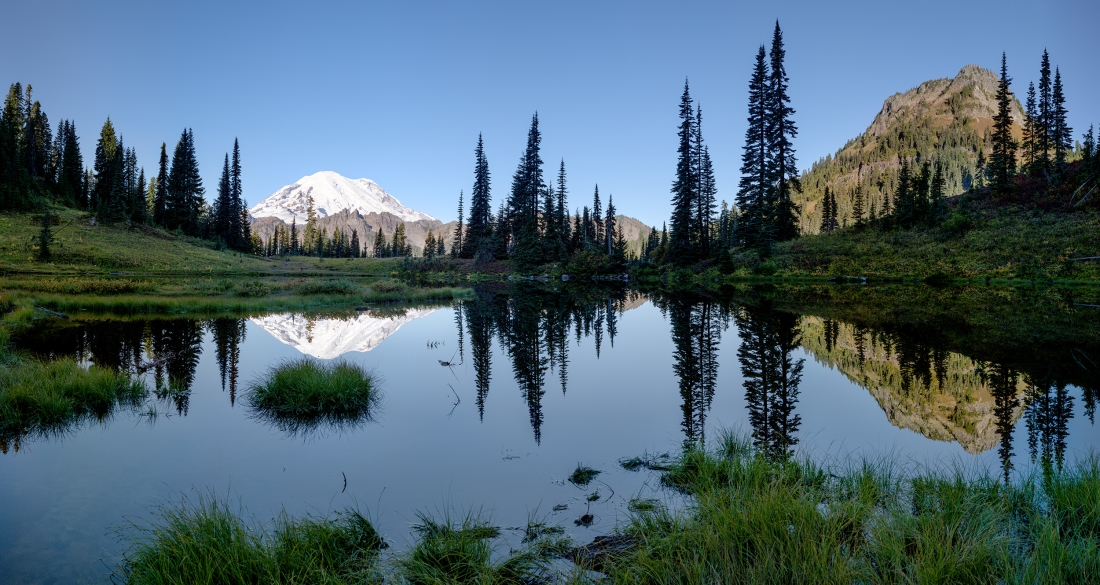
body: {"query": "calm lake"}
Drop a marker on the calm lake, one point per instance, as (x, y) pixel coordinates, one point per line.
(540, 381)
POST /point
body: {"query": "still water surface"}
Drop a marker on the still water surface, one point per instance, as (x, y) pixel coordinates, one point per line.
(540, 383)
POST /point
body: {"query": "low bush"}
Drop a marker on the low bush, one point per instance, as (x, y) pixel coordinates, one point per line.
(327, 287)
(253, 289)
(388, 285)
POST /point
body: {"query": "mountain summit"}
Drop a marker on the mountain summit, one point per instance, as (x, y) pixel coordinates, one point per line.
(332, 193)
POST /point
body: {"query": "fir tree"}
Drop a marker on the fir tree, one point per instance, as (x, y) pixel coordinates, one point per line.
(523, 206)
(429, 246)
(979, 168)
(478, 227)
(13, 179)
(609, 228)
(457, 245)
(161, 197)
(752, 192)
(783, 167)
(440, 246)
(937, 205)
(381, 249)
(104, 167)
(354, 248)
(561, 213)
(400, 246)
(707, 196)
(1046, 114)
(223, 208)
(1002, 162)
(1061, 135)
(294, 235)
(239, 225)
(857, 198)
(310, 234)
(683, 186)
(1030, 143)
(185, 189)
(904, 208)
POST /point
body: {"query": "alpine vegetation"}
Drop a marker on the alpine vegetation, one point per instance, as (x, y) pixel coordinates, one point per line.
(301, 394)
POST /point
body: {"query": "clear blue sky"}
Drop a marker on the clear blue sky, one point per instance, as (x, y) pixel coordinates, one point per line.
(398, 91)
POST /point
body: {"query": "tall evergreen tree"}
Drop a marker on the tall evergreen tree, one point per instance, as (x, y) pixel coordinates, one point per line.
(561, 212)
(13, 183)
(1046, 114)
(904, 207)
(609, 228)
(1030, 142)
(783, 167)
(707, 201)
(857, 198)
(479, 226)
(752, 193)
(1061, 135)
(223, 208)
(683, 186)
(1002, 162)
(523, 206)
(161, 199)
(597, 222)
(185, 190)
(240, 227)
(104, 166)
(457, 245)
(937, 205)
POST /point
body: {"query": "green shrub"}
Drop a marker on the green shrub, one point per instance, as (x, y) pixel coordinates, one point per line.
(254, 288)
(388, 285)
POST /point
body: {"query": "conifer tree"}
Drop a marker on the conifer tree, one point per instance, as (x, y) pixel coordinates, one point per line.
(440, 246)
(683, 186)
(857, 198)
(223, 208)
(1046, 114)
(456, 245)
(400, 246)
(707, 196)
(979, 168)
(609, 227)
(239, 226)
(919, 190)
(380, 248)
(161, 197)
(523, 205)
(783, 167)
(429, 245)
(827, 219)
(903, 196)
(1061, 135)
(576, 243)
(937, 205)
(586, 226)
(551, 231)
(478, 227)
(294, 235)
(13, 180)
(597, 223)
(106, 153)
(1030, 142)
(1002, 162)
(309, 236)
(752, 192)
(185, 188)
(561, 213)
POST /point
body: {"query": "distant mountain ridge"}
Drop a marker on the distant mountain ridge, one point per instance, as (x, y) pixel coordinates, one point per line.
(946, 120)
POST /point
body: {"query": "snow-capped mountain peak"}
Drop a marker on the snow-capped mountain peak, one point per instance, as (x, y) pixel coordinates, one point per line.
(332, 193)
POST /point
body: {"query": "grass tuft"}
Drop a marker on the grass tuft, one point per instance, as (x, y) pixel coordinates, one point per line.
(452, 552)
(206, 541)
(583, 475)
(303, 393)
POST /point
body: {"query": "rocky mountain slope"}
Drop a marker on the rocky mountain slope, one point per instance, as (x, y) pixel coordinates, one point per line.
(943, 120)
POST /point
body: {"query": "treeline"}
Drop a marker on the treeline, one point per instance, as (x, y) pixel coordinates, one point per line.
(315, 240)
(38, 168)
(534, 226)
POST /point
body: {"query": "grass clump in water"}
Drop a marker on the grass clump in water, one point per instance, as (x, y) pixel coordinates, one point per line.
(40, 397)
(452, 552)
(207, 542)
(306, 392)
(754, 519)
(583, 475)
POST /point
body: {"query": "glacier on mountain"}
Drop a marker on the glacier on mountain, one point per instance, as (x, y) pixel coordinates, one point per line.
(332, 337)
(331, 194)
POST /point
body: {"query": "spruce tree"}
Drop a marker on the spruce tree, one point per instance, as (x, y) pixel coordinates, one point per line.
(1046, 114)
(903, 196)
(13, 181)
(380, 247)
(294, 235)
(782, 165)
(161, 198)
(707, 196)
(561, 213)
(597, 222)
(457, 245)
(223, 208)
(683, 186)
(752, 192)
(239, 225)
(429, 246)
(827, 219)
(1002, 162)
(440, 246)
(478, 227)
(104, 166)
(937, 205)
(609, 228)
(1061, 135)
(185, 189)
(1030, 143)
(857, 198)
